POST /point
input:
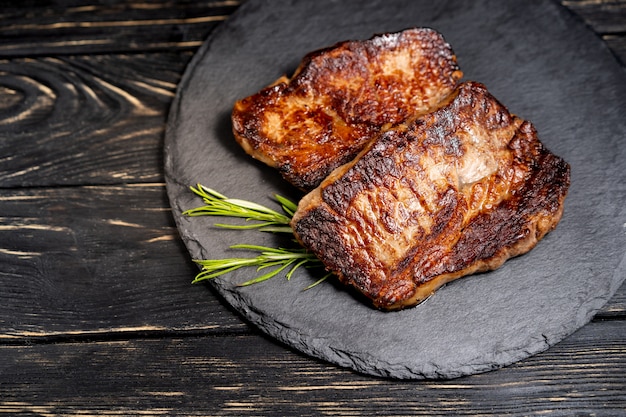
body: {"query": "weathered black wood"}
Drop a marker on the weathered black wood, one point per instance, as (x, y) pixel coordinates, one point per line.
(99, 119)
(617, 44)
(85, 119)
(248, 375)
(97, 314)
(615, 308)
(604, 16)
(93, 260)
(607, 19)
(97, 260)
(36, 28)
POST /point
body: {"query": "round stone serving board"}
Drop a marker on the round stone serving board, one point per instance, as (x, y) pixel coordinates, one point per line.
(536, 58)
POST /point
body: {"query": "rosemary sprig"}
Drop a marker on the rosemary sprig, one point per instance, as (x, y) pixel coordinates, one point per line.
(268, 257)
(267, 220)
(216, 204)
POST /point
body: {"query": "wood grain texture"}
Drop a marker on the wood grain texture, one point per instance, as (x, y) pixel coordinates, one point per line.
(78, 26)
(37, 28)
(98, 316)
(97, 260)
(603, 16)
(85, 119)
(607, 18)
(248, 375)
(617, 45)
(99, 119)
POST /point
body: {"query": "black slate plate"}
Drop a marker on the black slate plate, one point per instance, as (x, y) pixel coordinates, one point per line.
(540, 61)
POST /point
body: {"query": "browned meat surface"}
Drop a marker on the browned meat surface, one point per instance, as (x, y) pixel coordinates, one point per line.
(454, 192)
(339, 98)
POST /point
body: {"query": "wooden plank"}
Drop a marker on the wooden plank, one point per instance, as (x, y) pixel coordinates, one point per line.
(615, 308)
(80, 27)
(617, 44)
(248, 375)
(92, 119)
(603, 16)
(91, 261)
(85, 119)
(86, 27)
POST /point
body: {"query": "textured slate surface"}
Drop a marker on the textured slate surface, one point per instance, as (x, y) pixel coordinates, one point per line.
(541, 62)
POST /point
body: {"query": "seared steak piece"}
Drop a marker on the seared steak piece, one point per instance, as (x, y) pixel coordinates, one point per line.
(339, 98)
(453, 192)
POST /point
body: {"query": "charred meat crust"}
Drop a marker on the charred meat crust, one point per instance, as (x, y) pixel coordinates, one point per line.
(457, 191)
(340, 97)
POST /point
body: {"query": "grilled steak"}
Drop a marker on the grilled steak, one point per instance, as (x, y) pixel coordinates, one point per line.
(453, 192)
(340, 97)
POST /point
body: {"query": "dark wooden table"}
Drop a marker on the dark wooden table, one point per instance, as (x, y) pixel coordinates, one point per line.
(97, 313)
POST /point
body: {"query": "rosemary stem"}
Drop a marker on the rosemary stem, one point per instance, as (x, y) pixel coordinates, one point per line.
(262, 218)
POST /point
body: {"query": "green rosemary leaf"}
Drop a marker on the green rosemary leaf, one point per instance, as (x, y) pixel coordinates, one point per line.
(296, 266)
(217, 204)
(276, 229)
(288, 206)
(265, 277)
(277, 258)
(272, 260)
(319, 281)
(265, 227)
